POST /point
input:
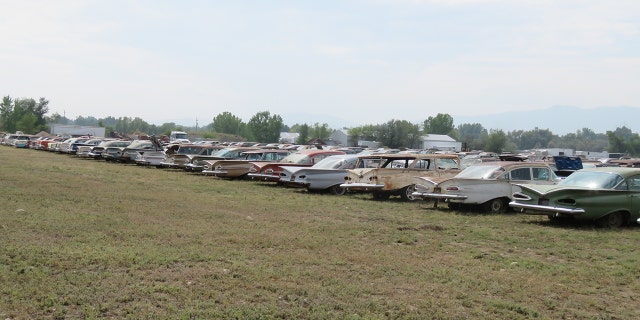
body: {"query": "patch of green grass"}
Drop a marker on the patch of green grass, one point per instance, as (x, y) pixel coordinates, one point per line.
(89, 239)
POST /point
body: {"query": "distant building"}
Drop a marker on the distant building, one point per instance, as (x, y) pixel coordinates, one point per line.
(289, 137)
(440, 142)
(76, 131)
(591, 155)
(339, 137)
(552, 152)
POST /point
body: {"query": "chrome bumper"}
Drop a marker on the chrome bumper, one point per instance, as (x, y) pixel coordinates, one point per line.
(362, 186)
(264, 177)
(540, 209)
(215, 172)
(439, 196)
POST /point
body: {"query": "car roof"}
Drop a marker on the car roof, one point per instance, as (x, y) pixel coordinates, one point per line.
(510, 164)
(268, 151)
(318, 151)
(623, 171)
(409, 156)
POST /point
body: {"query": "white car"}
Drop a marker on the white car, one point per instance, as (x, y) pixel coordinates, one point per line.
(327, 174)
(490, 185)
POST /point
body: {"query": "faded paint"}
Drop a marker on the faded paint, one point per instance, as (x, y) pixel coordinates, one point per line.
(395, 173)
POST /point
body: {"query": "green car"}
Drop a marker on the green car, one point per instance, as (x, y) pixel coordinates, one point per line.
(607, 195)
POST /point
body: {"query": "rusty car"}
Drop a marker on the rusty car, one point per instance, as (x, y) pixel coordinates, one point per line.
(270, 171)
(239, 168)
(184, 154)
(386, 175)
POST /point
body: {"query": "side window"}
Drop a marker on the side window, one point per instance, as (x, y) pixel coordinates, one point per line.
(633, 183)
(318, 158)
(351, 164)
(540, 173)
(422, 164)
(521, 174)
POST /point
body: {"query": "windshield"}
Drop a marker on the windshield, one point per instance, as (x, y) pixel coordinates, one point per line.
(336, 163)
(189, 150)
(139, 144)
(446, 163)
(226, 153)
(481, 172)
(253, 156)
(181, 135)
(298, 158)
(592, 180)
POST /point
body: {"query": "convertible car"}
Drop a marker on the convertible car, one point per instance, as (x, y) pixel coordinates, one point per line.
(607, 195)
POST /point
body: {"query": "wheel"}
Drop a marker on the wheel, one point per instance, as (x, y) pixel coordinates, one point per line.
(495, 206)
(559, 219)
(454, 206)
(379, 195)
(612, 220)
(337, 190)
(407, 193)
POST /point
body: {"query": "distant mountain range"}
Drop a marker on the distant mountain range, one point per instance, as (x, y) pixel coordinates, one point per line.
(560, 120)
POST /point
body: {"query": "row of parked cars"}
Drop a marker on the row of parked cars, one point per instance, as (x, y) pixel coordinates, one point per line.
(564, 188)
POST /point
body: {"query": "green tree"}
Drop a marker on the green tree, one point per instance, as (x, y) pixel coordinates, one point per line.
(442, 123)
(40, 111)
(6, 115)
(623, 140)
(472, 135)
(399, 134)
(27, 115)
(321, 131)
(496, 141)
(28, 123)
(226, 122)
(354, 136)
(583, 140)
(534, 139)
(265, 127)
(303, 131)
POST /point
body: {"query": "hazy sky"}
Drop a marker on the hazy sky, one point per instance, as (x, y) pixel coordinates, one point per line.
(367, 61)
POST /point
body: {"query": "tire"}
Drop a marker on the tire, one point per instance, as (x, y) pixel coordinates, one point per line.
(613, 220)
(379, 195)
(406, 193)
(559, 219)
(495, 206)
(454, 206)
(337, 190)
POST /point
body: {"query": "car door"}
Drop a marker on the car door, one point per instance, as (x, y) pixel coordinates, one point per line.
(519, 175)
(633, 184)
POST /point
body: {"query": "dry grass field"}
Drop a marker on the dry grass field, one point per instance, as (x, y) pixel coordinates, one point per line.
(89, 239)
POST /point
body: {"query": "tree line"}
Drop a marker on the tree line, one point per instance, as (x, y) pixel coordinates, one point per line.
(30, 116)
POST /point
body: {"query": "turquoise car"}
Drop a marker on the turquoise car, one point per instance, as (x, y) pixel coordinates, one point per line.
(607, 195)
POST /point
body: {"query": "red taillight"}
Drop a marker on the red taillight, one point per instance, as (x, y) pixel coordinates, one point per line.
(454, 188)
